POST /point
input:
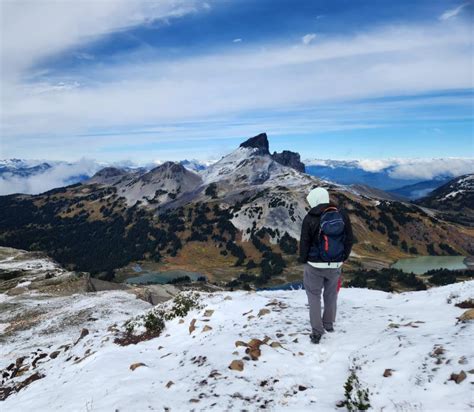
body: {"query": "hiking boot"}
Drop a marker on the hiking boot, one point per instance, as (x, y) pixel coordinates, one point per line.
(315, 338)
(330, 330)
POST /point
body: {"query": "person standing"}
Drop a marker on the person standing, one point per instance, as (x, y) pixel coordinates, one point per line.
(325, 243)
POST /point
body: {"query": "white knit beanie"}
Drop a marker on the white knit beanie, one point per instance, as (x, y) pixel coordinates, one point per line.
(318, 196)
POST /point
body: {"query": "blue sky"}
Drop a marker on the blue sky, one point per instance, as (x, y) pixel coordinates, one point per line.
(148, 80)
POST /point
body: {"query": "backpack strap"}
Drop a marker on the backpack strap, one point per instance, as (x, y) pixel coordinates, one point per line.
(334, 208)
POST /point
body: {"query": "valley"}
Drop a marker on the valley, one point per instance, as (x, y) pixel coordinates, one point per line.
(240, 215)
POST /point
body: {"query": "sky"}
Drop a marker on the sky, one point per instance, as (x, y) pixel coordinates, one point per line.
(144, 80)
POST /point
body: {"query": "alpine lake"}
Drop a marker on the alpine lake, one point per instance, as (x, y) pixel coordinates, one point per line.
(422, 264)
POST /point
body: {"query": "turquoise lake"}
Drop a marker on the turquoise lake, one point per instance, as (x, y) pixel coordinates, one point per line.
(422, 264)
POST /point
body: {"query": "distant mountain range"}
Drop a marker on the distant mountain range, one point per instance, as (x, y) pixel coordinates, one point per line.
(409, 179)
(240, 216)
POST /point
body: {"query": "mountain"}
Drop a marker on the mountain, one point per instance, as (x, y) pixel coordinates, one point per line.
(22, 168)
(241, 215)
(236, 351)
(420, 189)
(454, 199)
(195, 165)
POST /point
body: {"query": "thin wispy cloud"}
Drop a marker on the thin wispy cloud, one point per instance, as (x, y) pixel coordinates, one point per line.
(238, 40)
(308, 38)
(451, 13)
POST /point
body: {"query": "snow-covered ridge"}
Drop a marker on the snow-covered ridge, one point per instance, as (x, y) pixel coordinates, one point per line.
(414, 339)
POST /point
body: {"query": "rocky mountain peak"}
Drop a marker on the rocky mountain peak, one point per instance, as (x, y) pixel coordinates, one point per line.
(285, 158)
(290, 159)
(258, 142)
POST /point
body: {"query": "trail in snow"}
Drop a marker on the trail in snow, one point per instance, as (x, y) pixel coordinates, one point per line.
(375, 331)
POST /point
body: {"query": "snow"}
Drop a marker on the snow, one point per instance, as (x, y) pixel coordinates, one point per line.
(30, 264)
(453, 194)
(374, 331)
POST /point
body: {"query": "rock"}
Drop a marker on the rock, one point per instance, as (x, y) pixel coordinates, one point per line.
(276, 345)
(240, 343)
(208, 313)
(236, 352)
(228, 298)
(192, 326)
(206, 328)
(181, 320)
(290, 159)
(36, 376)
(84, 332)
(38, 358)
(253, 349)
(280, 335)
(471, 371)
(387, 373)
(5, 392)
(302, 388)
(259, 142)
(169, 384)
(263, 311)
(134, 366)
(467, 315)
(466, 304)
(237, 365)
(462, 360)
(438, 351)
(458, 377)
(54, 355)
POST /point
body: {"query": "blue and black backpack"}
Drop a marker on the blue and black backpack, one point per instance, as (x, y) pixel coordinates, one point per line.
(328, 246)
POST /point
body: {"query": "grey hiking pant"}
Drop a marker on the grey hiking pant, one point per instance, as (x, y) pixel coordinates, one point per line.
(315, 280)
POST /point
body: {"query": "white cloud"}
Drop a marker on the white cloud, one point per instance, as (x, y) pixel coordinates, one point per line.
(423, 169)
(60, 174)
(308, 38)
(430, 168)
(451, 13)
(237, 40)
(35, 29)
(65, 116)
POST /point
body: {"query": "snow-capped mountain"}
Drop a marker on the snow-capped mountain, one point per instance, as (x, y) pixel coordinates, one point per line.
(159, 185)
(455, 199)
(23, 168)
(235, 351)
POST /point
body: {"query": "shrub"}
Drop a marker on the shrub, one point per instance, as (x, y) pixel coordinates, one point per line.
(288, 244)
(442, 277)
(356, 396)
(154, 322)
(182, 304)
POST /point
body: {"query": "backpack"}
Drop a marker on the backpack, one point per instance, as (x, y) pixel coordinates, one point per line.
(329, 244)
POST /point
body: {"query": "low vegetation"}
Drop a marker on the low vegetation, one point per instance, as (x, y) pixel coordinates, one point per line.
(151, 324)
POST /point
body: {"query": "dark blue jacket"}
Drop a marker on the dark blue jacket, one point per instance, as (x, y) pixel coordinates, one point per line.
(310, 231)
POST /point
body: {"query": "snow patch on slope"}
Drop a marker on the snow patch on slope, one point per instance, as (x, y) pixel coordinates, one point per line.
(183, 371)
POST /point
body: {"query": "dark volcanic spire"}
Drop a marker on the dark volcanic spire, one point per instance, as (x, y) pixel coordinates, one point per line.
(259, 142)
